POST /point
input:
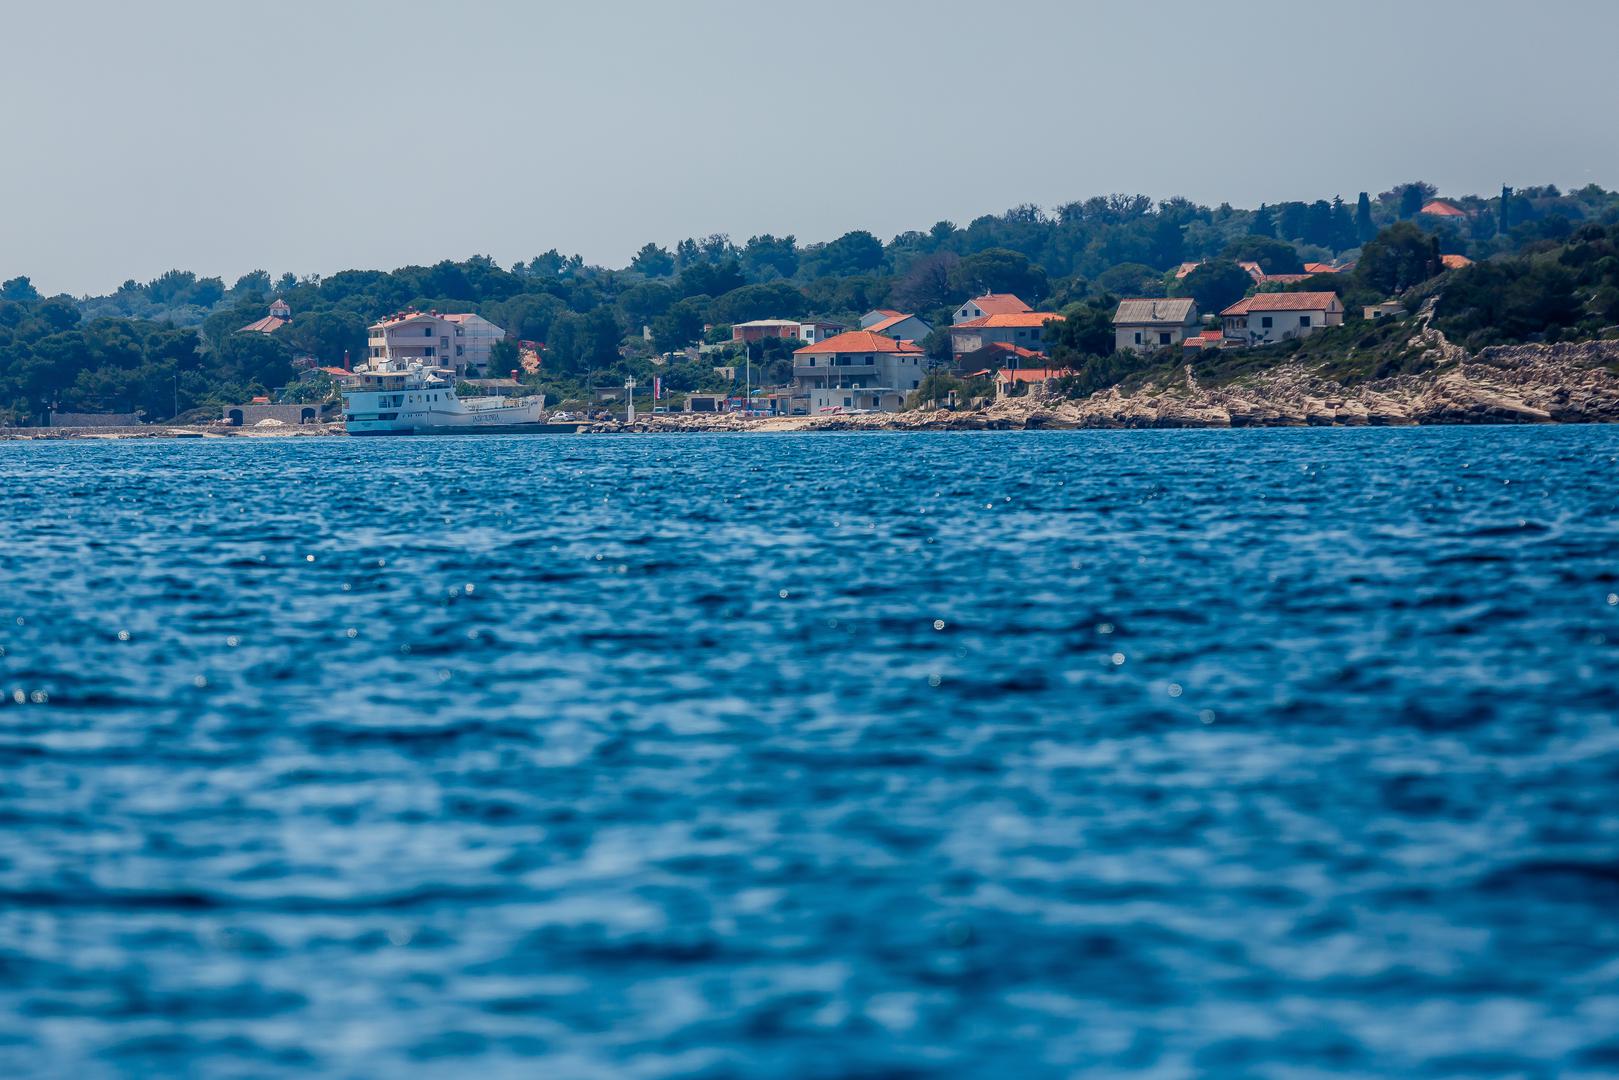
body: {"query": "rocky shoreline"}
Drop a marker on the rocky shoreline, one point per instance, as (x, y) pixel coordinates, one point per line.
(1537, 384)
(1575, 383)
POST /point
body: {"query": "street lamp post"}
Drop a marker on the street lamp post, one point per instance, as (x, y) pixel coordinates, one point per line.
(629, 400)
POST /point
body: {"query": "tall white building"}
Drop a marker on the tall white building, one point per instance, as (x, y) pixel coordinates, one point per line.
(460, 342)
(856, 371)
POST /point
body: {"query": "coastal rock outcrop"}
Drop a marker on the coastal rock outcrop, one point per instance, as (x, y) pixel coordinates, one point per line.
(1563, 383)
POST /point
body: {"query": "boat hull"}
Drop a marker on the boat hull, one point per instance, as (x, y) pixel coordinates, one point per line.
(468, 429)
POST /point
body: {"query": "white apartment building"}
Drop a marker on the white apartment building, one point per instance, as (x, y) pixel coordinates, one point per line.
(461, 342)
(856, 371)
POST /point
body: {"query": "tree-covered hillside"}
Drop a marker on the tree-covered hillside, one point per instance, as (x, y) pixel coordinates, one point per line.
(176, 337)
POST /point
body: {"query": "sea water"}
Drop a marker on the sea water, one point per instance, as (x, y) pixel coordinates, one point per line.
(1286, 753)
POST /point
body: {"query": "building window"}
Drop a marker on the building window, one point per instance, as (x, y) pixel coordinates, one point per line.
(848, 403)
(1138, 337)
(1264, 322)
(427, 331)
(460, 350)
(1163, 337)
(1304, 320)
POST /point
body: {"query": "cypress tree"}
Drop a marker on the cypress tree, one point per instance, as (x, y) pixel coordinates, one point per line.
(1264, 223)
(1506, 207)
(1365, 227)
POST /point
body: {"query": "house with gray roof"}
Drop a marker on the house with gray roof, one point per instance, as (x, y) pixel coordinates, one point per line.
(1144, 325)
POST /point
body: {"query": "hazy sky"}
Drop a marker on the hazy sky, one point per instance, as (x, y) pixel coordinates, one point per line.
(220, 136)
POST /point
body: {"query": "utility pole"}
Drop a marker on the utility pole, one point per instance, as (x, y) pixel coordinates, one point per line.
(177, 396)
(629, 400)
(747, 378)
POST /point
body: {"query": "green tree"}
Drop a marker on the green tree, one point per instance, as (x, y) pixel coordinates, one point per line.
(998, 270)
(1264, 223)
(775, 300)
(1131, 279)
(1273, 256)
(18, 289)
(254, 284)
(644, 302)
(1216, 285)
(1086, 330)
(681, 325)
(1365, 227)
(1401, 256)
(1412, 198)
(710, 278)
(767, 256)
(653, 261)
(856, 252)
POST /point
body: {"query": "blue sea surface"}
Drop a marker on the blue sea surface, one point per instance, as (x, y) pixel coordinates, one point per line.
(1288, 753)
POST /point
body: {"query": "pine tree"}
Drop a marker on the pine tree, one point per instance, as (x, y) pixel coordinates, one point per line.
(1411, 198)
(1365, 227)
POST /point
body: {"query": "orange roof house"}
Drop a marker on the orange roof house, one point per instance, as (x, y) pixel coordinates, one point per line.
(989, 304)
(1455, 262)
(859, 341)
(1022, 328)
(1442, 209)
(279, 316)
(1265, 318)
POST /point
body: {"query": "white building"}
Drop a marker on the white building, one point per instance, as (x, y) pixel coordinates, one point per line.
(989, 304)
(1144, 325)
(461, 342)
(1024, 329)
(1265, 318)
(854, 371)
(897, 325)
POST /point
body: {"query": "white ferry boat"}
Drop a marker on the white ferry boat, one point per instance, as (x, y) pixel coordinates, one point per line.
(406, 397)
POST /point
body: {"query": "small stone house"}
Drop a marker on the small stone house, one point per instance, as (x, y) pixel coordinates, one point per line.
(1142, 325)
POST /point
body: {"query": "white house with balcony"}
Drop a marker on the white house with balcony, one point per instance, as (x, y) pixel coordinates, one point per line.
(856, 371)
(1266, 318)
(459, 342)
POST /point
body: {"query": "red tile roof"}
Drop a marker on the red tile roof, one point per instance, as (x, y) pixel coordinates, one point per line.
(1320, 268)
(1016, 350)
(1441, 208)
(1023, 375)
(894, 319)
(859, 341)
(998, 304)
(1282, 301)
(1455, 262)
(1016, 318)
(267, 325)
